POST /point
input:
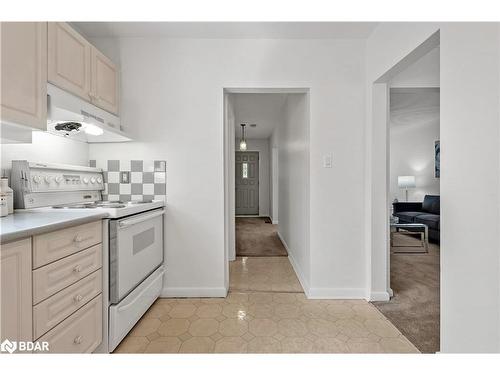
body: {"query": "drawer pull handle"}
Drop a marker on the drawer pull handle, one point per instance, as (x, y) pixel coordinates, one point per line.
(78, 340)
(78, 298)
(77, 269)
(78, 238)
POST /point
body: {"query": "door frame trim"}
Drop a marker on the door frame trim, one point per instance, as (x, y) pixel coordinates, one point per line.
(229, 164)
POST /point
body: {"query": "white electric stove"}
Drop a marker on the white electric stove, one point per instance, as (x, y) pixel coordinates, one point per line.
(114, 209)
(132, 237)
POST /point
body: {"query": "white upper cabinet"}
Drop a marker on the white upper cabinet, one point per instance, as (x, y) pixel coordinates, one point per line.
(79, 68)
(104, 82)
(23, 97)
(69, 60)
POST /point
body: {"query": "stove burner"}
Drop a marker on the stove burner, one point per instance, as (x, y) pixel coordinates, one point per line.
(141, 202)
(103, 204)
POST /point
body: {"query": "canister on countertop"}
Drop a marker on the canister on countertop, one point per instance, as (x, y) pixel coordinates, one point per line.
(4, 208)
(8, 194)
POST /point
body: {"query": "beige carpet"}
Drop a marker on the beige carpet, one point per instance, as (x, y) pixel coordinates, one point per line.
(257, 238)
(414, 309)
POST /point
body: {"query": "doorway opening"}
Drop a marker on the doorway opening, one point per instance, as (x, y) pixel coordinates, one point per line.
(406, 108)
(260, 246)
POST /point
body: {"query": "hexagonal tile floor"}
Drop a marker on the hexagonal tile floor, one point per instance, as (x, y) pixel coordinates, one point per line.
(263, 322)
(263, 274)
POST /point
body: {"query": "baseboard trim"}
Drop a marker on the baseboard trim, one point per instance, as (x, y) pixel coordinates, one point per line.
(296, 268)
(274, 221)
(337, 293)
(193, 292)
(380, 296)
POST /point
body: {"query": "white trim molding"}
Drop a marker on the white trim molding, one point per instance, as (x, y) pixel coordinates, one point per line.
(194, 292)
(296, 268)
(337, 293)
(380, 296)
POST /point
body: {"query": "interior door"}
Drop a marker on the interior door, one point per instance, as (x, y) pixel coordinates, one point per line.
(247, 183)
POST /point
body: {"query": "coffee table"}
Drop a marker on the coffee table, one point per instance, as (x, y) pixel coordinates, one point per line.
(412, 229)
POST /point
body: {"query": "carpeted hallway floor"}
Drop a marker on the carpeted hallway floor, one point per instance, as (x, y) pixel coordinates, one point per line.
(414, 309)
(257, 237)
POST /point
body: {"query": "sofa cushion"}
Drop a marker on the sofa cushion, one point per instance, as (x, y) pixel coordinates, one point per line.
(408, 216)
(431, 204)
(432, 221)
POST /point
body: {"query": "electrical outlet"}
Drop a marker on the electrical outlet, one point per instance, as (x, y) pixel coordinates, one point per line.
(327, 161)
(125, 177)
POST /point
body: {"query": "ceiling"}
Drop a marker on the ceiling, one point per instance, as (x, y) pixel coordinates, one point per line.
(414, 106)
(229, 30)
(264, 110)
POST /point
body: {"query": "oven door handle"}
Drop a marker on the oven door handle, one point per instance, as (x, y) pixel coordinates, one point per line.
(129, 222)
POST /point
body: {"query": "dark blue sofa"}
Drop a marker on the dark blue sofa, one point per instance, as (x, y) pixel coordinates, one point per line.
(426, 212)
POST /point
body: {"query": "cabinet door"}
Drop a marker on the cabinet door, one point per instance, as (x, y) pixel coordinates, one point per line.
(16, 306)
(104, 82)
(68, 59)
(23, 96)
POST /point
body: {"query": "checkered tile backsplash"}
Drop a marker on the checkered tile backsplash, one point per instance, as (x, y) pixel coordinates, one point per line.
(131, 180)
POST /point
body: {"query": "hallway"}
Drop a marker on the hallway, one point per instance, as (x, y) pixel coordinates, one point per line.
(257, 236)
(263, 274)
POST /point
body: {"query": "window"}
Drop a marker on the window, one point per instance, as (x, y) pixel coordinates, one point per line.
(244, 171)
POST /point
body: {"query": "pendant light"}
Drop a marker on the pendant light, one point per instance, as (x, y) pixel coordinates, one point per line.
(243, 140)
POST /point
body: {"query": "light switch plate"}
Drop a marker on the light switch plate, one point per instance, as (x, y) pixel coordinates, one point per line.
(327, 161)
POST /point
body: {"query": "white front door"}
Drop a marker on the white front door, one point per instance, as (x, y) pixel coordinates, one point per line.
(247, 183)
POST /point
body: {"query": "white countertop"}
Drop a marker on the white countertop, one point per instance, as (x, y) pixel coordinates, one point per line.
(26, 223)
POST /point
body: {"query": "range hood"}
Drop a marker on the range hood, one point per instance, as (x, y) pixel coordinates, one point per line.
(72, 117)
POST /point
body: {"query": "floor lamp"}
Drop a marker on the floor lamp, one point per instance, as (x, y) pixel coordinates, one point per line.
(406, 182)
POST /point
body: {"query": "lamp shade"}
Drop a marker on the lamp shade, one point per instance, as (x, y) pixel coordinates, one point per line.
(406, 182)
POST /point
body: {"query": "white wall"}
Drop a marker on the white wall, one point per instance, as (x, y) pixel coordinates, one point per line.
(47, 148)
(172, 101)
(469, 57)
(292, 140)
(412, 153)
(262, 146)
(422, 73)
(413, 131)
(274, 188)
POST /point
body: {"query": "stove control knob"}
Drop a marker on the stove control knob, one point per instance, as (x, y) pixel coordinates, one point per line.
(92, 180)
(36, 179)
(99, 180)
(59, 179)
(47, 179)
(85, 180)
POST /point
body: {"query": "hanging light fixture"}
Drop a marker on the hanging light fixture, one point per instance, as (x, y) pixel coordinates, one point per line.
(243, 140)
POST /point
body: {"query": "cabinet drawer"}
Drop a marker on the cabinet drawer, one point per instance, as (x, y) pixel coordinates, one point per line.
(53, 310)
(80, 333)
(50, 279)
(52, 246)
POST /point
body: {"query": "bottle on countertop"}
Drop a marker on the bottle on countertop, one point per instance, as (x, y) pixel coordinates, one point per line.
(4, 208)
(7, 193)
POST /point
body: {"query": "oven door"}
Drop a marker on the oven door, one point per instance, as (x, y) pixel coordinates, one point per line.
(136, 250)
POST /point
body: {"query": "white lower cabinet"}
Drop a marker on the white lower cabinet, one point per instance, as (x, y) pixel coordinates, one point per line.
(80, 333)
(59, 303)
(49, 313)
(15, 298)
